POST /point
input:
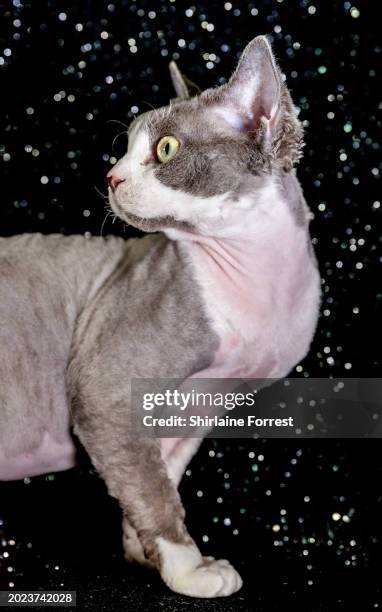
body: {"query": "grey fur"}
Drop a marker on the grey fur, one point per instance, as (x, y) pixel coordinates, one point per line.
(45, 281)
(178, 81)
(213, 158)
(161, 321)
(97, 313)
(294, 197)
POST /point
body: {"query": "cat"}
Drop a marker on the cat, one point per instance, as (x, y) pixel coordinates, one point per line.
(225, 284)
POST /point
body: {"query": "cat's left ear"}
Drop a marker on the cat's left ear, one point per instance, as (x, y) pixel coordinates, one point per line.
(184, 88)
(252, 97)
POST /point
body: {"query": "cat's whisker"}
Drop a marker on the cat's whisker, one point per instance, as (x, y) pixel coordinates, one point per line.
(103, 196)
(150, 120)
(169, 108)
(117, 121)
(104, 221)
(148, 104)
(116, 138)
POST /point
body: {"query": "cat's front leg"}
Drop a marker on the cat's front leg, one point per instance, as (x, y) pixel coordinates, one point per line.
(176, 456)
(136, 475)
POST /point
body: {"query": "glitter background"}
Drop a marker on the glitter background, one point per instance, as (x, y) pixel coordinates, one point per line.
(302, 522)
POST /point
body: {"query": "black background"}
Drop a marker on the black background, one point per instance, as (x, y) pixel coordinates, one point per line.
(67, 90)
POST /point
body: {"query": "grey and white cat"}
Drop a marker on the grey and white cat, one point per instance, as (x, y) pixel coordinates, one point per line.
(229, 287)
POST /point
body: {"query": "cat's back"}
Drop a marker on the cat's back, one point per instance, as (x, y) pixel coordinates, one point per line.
(74, 260)
(45, 281)
(52, 276)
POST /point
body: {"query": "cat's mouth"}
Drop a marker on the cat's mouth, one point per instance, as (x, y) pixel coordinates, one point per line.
(153, 224)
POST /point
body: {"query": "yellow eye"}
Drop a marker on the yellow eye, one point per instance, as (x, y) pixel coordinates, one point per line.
(167, 148)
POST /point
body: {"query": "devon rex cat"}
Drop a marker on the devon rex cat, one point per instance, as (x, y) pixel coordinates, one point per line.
(229, 287)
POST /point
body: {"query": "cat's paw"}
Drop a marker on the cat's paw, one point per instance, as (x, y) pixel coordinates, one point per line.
(211, 578)
(134, 552)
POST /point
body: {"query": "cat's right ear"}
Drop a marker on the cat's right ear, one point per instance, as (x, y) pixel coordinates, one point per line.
(184, 88)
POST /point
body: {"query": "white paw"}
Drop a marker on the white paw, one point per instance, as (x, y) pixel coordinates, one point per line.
(132, 546)
(209, 579)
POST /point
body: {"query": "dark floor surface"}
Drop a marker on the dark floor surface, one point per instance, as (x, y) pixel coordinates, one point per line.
(301, 522)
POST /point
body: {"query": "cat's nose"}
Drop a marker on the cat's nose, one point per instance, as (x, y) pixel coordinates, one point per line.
(114, 181)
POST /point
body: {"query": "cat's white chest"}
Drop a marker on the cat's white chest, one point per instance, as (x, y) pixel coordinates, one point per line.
(262, 303)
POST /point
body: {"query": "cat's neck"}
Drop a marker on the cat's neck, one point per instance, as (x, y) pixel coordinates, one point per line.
(230, 259)
(257, 237)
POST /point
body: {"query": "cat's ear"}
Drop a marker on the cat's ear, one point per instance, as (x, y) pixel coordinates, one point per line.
(252, 97)
(184, 88)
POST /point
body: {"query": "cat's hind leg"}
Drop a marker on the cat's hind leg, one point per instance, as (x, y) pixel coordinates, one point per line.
(132, 546)
(177, 454)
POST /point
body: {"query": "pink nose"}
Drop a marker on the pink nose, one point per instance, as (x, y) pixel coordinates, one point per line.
(113, 182)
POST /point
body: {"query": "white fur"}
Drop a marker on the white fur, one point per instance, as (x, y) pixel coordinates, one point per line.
(185, 571)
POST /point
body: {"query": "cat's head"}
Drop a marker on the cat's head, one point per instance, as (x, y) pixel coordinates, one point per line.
(199, 162)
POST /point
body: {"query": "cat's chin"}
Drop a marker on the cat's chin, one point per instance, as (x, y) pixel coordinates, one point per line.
(143, 223)
(154, 224)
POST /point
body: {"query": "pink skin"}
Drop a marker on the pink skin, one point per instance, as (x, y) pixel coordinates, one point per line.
(269, 286)
(113, 182)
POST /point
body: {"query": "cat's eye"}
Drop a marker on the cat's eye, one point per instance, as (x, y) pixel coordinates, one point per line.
(167, 148)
